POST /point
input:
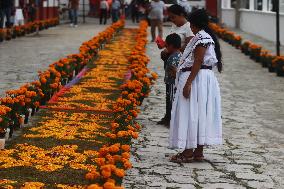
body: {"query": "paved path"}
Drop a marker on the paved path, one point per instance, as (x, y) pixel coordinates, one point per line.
(253, 151)
(23, 57)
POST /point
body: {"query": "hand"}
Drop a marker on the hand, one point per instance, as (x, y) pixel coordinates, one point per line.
(160, 46)
(186, 90)
(172, 71)
(164, 55)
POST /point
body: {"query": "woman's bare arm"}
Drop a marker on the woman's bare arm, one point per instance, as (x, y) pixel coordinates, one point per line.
(199, 53)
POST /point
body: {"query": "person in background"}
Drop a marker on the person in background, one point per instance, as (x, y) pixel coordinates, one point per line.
(115, 8)
(92, 8)
(74, 6)
(134, 11)
(185, 4)
(104, 7)
(156, 11)
(6, 7)
(127, 9)
(31, 12)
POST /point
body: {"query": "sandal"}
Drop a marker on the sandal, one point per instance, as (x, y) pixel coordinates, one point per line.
(198, 157)
(180, 158)
(198, 154)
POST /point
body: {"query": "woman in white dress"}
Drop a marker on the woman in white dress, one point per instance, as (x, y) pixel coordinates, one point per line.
(196, 110)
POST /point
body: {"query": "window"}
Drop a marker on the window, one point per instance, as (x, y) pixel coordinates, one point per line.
(245, 4)
(258, 4)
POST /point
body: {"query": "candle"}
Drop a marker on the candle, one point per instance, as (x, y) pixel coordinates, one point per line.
(22, 121)
(2, 144)
(7, 133)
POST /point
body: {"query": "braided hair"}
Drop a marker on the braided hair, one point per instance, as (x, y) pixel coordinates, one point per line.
(199, 18)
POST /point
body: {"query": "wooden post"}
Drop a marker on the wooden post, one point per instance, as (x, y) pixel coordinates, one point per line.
(237, 13)
(277, 29)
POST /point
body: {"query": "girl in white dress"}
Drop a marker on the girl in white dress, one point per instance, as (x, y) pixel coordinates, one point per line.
(196, 111)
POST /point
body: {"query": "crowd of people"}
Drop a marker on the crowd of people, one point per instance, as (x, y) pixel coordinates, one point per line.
(10, 15)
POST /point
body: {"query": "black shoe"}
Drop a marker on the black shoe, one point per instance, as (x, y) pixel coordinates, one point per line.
(162, 121)
(167, 124)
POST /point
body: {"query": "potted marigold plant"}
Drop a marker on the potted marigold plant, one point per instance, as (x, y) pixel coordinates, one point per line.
(8, 34)
(245, 47)
(237, 41)
(278, 64)
(50, 83)
(2, 35)
(255, 51)
(269, 62)
(17, 104)
(14, 33)
(4, 119)
(266, 58)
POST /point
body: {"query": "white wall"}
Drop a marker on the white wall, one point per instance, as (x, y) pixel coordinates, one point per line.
(228, 17)
(261, 23)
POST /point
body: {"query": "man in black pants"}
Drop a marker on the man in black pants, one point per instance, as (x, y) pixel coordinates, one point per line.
(104, 7)
(6, 7)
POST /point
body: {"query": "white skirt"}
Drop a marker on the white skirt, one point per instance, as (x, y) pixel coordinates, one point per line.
(197, 120)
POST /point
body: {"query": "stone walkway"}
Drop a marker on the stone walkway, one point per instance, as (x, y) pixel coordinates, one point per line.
(23, 57)
(253, 119)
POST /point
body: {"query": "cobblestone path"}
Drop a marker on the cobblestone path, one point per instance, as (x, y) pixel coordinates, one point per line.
(22, 58)
(253, 119)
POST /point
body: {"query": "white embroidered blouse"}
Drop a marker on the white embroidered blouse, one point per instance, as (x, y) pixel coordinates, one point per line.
(204, 39)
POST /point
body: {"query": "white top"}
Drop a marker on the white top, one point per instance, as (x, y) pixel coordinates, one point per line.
(157, 9)
(19, 17)
(183, 31)
(115, 5)
(204, 39)
(185, 4)
(104, 5)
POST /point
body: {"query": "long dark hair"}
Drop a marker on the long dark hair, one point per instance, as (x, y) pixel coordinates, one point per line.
(177, 10)
(199, 18)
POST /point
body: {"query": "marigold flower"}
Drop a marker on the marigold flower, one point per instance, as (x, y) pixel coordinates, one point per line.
(125, 148)
(119, 172)
(94, 186)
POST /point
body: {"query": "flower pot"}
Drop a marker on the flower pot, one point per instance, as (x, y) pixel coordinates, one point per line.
(270, 67)
(264, 62)
(280, 69)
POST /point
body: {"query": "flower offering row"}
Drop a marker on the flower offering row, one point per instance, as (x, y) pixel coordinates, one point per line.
(84, 138)
(256, 52)
(19, 104)
(113, 159)
(19, 31)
